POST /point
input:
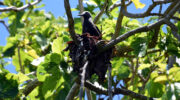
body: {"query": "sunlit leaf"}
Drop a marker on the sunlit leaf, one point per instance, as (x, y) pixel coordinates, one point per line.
(138, 4)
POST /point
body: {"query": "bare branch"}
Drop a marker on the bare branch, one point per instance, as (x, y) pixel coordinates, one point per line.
(118, 4)
(89, 96)
(119, 21)
(81, 8)
(162, 15)
(70, 21)
(83, 79)
(109, 82)
(101, 12)
(174, 29)
(19, 8)
(72, 93)
(130, 33)
(141, 29)
(3, 22)
(146, 13)
(116, 91)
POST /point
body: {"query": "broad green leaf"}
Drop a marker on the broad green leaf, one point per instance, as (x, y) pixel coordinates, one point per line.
(161, 79)
(161, 65)
(154, 89)
(138, 4)
(58, 45)
(139, 45)
(22, 77)
(143, 66)
(33, 53)
(23, 57)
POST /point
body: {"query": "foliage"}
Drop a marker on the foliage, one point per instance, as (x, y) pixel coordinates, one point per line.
(36, 44)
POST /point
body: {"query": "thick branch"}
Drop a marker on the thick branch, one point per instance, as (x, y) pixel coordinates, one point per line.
(19, 8)
(116, 91)
(119, 21)
(70, 20)
(130, 33)
(174, 29)
(101, 12)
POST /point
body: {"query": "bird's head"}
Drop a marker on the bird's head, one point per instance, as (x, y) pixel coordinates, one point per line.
(85, 14)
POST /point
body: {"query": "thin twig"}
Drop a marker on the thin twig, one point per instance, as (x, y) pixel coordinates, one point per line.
(118, 4)
(19, 8)
(101, 12)
(20, 63)
(3, 22)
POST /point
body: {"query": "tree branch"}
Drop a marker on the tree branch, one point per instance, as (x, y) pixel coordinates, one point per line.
(147, 12)
(119, 21)
(118, 4)
(72, 93)
(109, 83)
(81, 8)
(3, 22)
(141, 29)
(88, 92)
(19, 8)
(115, 91)
(70, 21)
(101, 12)
(31, 86)
(174, 29)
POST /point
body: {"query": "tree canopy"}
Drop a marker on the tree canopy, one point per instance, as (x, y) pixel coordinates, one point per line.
(145, 62)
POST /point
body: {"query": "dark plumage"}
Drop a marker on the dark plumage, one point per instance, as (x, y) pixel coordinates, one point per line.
(89, 26)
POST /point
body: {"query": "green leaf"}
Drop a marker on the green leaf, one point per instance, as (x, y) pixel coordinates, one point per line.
(24, 58)
(172, 92)
(138, 4)
(143, 66)
(8, 87)
(58, 45)
(154, 89)
(42, 41)
(161, 78)
(139, 45)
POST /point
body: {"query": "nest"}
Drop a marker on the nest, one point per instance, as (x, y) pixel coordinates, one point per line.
(87, 50)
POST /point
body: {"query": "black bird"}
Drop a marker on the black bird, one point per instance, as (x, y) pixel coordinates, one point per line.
(89, 26)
